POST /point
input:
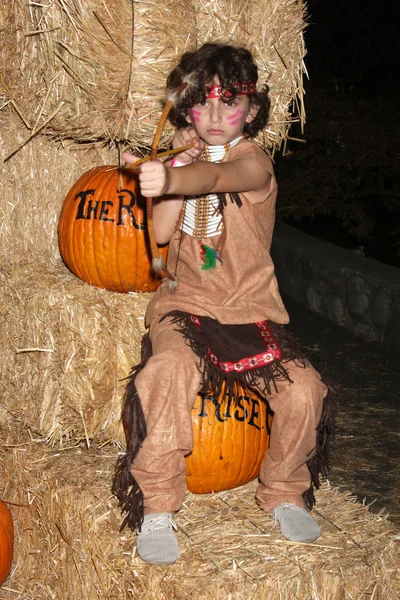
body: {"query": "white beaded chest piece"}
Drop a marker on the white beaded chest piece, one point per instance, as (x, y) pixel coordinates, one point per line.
(201, 217)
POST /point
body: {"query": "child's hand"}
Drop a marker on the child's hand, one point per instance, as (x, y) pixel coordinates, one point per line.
(185, 136)
(153, 176)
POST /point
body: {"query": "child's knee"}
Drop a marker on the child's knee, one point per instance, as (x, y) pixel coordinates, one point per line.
(305, 393)
(307, 379)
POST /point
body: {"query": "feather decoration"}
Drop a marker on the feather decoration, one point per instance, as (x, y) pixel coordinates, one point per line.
(209, 256)
(188, 81)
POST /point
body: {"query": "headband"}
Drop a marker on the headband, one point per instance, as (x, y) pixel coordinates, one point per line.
(243, 89)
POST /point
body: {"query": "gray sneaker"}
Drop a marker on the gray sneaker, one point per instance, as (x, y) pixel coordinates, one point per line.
(156, 542)
(296, 523)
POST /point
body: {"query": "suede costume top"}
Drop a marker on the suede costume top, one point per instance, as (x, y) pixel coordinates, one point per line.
(243, 289)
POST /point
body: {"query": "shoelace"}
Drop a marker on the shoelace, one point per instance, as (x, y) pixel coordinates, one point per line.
(162, 521)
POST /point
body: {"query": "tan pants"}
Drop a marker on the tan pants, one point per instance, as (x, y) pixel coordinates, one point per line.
(167, 388)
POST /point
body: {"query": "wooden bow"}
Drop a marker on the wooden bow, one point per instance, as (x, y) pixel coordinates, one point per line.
(157, 260)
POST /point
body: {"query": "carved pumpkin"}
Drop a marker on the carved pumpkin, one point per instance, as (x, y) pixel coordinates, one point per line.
(6, 541)
(229, 441)
(102, 231)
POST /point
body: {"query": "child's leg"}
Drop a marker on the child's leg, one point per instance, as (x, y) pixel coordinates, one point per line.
(167, 388)
(284, 474)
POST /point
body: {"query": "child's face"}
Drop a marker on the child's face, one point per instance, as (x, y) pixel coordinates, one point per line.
(218, 122)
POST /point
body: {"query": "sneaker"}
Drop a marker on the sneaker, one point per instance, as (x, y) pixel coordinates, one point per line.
(156, 542)
(296, 523)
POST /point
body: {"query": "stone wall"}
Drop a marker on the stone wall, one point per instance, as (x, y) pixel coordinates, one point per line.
(350, 290)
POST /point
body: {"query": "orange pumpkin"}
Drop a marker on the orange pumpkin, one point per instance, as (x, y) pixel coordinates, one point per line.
(102, 231)
(6, 541)
(230, 441)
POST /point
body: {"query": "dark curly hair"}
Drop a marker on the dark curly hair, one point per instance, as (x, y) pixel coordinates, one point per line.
(230, 65)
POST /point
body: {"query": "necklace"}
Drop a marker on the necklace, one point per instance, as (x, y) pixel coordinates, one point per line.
(201, 217)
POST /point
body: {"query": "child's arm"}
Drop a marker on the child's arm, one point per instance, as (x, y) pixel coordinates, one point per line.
(166, 211)
(240, 175)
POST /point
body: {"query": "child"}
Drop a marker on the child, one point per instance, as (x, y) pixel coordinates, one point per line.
(217, 213)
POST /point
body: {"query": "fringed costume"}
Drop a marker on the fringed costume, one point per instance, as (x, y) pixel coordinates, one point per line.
(225, 322)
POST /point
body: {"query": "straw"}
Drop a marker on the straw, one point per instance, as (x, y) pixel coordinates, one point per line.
(105, 63)
(68, 544)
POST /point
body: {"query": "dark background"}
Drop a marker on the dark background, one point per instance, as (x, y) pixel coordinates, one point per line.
(343, 183)
(355, 42)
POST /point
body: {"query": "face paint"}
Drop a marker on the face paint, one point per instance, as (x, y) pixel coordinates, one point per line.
(235, 115)
(235, 118)
(196, 114)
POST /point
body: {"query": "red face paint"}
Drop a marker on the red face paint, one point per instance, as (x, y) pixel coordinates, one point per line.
(196, 114)
(235, 118)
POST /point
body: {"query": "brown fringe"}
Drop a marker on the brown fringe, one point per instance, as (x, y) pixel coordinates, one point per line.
(125, 487)
(320, 463)
(222, 199)
(216, 380)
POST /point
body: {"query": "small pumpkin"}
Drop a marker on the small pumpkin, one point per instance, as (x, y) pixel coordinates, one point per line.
(6, 541)
(230, 441)
(102, 231)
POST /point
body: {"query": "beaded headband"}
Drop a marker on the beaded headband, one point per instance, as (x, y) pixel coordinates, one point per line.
(243, 89)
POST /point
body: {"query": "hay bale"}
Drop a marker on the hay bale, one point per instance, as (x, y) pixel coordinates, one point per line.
(67, 346)
(96, 70)
(33, 185)
(68, 545)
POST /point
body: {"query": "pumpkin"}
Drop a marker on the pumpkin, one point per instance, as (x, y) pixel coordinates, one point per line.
(6, 541)
(230, 441)
(102, 231)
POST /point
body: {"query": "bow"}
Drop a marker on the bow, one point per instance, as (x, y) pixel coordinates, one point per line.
(157, 262)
